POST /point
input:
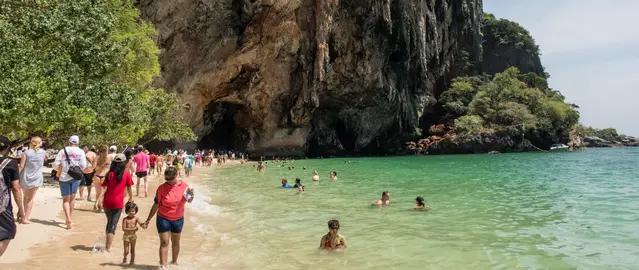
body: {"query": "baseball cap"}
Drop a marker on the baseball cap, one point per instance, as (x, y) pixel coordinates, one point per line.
(4, 142)
(119, 158)
(74, 139)
(113, 148)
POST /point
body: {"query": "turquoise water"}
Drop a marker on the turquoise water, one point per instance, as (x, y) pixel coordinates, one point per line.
(573, 210)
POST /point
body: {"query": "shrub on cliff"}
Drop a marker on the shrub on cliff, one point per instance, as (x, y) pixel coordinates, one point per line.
(81, 67)
(509, 105)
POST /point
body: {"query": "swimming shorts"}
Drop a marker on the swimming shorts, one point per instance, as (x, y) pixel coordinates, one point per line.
(87, 181)
(140, 174)
(129, 237)
(69, 188)
(165, 225)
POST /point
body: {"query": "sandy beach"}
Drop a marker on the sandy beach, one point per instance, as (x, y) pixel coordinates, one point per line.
(45, 243)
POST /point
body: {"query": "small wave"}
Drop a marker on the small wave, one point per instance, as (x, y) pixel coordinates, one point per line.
(201, 206)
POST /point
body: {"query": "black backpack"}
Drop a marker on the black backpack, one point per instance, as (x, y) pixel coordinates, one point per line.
(74, 170)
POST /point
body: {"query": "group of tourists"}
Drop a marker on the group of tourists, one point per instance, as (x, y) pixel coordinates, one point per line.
(111, 173)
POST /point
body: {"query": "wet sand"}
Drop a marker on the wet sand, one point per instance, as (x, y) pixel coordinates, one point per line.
(47, 244)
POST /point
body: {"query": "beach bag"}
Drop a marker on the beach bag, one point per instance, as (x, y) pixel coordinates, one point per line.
(74, 170)
(4, 189)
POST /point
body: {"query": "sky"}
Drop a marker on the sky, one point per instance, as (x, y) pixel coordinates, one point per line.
(591, 50)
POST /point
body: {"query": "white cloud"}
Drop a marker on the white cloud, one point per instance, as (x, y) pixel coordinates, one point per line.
(590, 49)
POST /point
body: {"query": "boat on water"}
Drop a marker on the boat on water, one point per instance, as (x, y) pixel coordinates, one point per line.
(559, 147)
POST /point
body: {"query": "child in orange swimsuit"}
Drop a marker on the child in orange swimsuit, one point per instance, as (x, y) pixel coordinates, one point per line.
(333, 240)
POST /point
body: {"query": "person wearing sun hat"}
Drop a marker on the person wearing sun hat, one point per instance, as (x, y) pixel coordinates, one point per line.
(10, 181)
(68, 157)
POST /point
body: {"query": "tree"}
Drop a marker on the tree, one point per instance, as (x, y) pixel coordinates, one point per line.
(81, 67)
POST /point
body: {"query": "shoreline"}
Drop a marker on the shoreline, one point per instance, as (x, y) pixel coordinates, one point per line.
(46, 241)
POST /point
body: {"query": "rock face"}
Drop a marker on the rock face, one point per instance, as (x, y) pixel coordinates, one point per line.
(618, 141)
(316, 77)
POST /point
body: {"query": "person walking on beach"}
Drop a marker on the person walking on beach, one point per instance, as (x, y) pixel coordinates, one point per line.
(333, 240)
(170, 199)
(9, 180)
(142, 161)
(152, 163)
(117, 180)
(31, 177)
(73, 161)
(385, 200)
(89, 172)
(130, 227)
(159, 162)
(102, 166)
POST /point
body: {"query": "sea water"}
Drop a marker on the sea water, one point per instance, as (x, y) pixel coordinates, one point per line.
(571, 210)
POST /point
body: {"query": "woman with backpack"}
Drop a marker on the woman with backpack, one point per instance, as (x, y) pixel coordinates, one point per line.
(9, 180)
(70, 161)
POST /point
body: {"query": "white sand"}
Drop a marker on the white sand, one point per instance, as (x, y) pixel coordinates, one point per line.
(46, 224)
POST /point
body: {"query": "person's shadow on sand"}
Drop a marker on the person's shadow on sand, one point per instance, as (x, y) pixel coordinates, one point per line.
(128, 266)
(49, 223)
(81, 247)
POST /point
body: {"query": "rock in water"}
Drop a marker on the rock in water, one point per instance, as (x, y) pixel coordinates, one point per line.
(316, 77)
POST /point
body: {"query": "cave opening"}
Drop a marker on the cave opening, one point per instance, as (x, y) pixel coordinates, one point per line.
(223, 132)
(436, 114)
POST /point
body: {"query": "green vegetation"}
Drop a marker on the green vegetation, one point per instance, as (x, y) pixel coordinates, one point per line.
(508, 33)
(606, 133)
(510, 103)
(82, 67)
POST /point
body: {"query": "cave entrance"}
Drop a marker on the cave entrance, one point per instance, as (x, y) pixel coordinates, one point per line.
(223, 133)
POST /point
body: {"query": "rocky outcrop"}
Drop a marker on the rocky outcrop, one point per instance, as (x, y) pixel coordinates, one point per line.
(507, 44)
(481, 143)
(618, 141)
(321, 77)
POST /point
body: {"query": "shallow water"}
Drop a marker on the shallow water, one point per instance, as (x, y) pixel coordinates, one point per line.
(576, 210)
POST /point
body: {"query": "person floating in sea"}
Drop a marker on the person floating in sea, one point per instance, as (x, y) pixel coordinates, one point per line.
(285, 184)
(304, 168)
(385, 200)
(315, 176)
(129, 227)
(300, 189)
(333, 240)
(333, 175)
(420, 204)
(298, 183)
(260, 167)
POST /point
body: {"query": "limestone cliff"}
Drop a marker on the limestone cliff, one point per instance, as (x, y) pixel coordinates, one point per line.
(507, 44)
(321, 77)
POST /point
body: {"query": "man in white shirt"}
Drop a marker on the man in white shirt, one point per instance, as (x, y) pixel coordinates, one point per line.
(68, 157)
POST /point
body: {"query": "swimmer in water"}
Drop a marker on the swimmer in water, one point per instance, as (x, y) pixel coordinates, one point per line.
(298, 182)
(300, 189)
(420, 204)
(285, 184)
(333, 175)
(304, 168)
(315, 176)
(385, 200)
(260, 167)
(333, 240)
